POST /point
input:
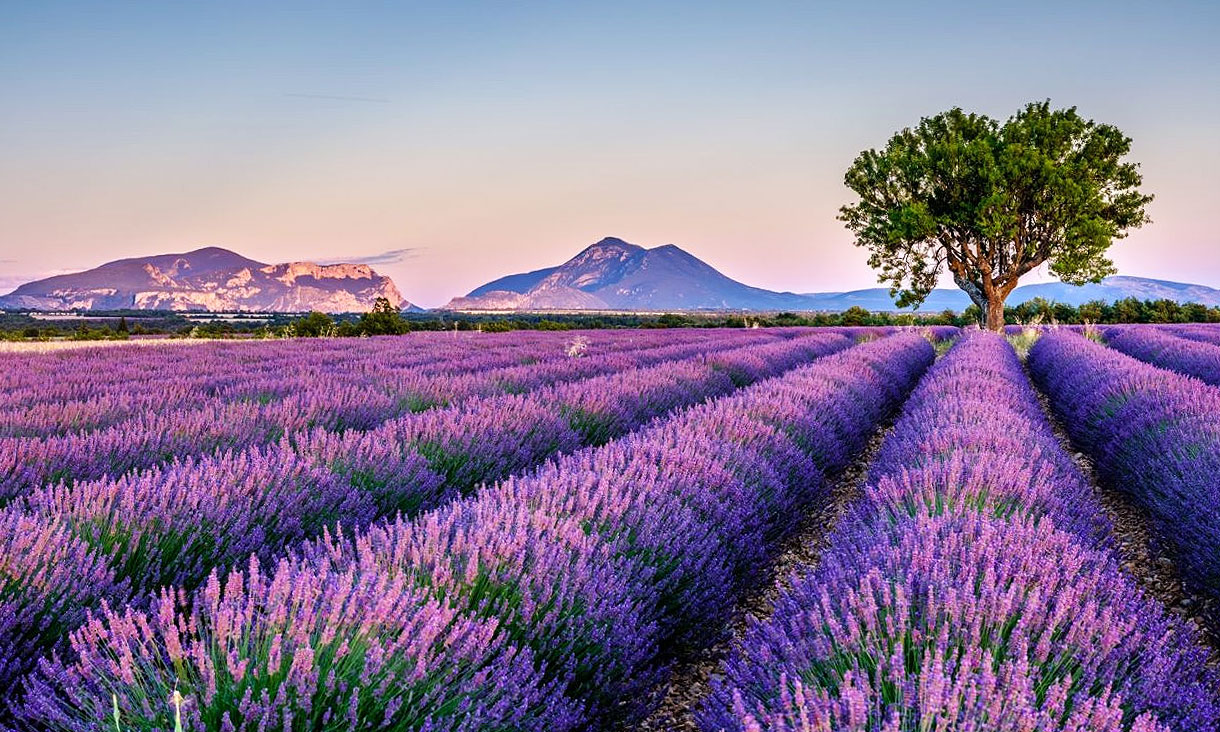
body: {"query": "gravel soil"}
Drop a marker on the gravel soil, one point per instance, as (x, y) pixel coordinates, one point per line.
(691, 680)
(1144, 555)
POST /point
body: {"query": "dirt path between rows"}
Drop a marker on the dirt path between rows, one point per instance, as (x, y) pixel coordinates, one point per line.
(1145, 558)
(691, 681)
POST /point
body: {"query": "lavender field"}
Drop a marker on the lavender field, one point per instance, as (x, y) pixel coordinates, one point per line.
(793, 529)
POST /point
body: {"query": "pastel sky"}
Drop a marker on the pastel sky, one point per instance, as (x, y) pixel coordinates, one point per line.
(453, 142)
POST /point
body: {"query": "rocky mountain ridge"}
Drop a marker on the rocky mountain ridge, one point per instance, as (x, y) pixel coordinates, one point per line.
(209, 279)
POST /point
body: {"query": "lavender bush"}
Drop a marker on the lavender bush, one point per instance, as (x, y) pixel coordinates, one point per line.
(1153, 434)
(49, 580)
(1163, 348)
(226, 407)
(299, 648)
(582, 603)
(972, 587)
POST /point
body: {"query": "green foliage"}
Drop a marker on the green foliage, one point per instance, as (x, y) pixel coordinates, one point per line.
(21, 327)
(85, 331)
(674, 320)
(992, 201)
(314, 325)
(383, 319)
(856, 315)
(942, 347)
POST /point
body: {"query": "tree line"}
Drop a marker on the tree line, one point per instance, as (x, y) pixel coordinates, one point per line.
(387, 321)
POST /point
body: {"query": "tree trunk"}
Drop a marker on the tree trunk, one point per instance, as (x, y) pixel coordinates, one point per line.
(978, 297)
(994, 314)
(989, 298)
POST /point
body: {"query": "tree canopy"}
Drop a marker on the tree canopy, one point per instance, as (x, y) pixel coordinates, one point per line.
(991, 201)
(383, 319)
(314, 325)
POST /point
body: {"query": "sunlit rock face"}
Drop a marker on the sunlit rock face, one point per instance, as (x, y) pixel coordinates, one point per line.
(210, 279)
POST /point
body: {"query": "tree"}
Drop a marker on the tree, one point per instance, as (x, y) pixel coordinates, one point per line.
(1093, 311)
(1129, 310)
(383, 319)
(856, 315)
(313, 325)
(992, 201)
(1194, 312)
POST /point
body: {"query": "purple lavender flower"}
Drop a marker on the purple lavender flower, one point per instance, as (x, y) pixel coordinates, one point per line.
(971, 587)
(301, 648)
(1154, 434)
(49, 580)
(579, 600)
(1163, 348)
(175, 525)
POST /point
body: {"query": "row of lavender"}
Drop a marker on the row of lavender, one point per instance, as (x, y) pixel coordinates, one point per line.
(93, 388)
(120, 540)
(1153, 433)
(322, 385)
(1203, 333)
(91, 373)
(552, 601)
(1187, 350)
(101, 379)
(156, 436)
(973, 586)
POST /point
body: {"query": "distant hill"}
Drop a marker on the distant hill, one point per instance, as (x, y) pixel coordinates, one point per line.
(609, 275)
(1108, 290)
(1119, 287)
(210, 279)
(615, 275)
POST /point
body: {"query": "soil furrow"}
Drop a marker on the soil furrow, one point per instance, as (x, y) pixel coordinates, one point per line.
(691, 680)
(1143, 556)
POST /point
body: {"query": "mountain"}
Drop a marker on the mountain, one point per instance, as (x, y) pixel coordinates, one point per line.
(1117, 288)
(609, 275)
(209, 279)
(1108, 290)
(878, 298)
(615, 275)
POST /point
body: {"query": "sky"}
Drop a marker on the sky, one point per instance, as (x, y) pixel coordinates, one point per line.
(450, 143)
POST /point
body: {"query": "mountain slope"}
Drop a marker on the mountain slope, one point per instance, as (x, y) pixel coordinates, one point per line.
(520, 283)
(1117, 288)
(206, 279)
(615, 275)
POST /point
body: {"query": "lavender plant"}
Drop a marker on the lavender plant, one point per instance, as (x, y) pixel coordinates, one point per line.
(49, 581)
(1163, 348)
(582, 602)
(298, 648)
(1154, 434)
(238, 409)
(972, 586)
